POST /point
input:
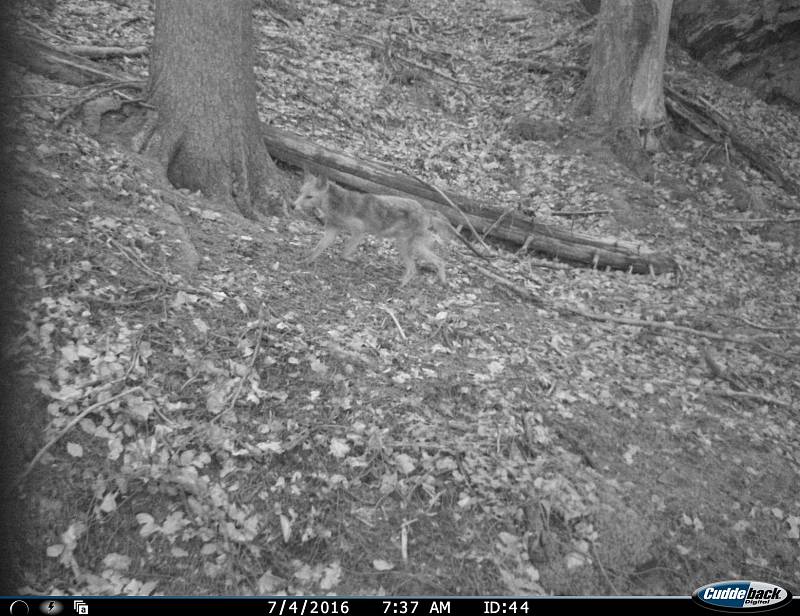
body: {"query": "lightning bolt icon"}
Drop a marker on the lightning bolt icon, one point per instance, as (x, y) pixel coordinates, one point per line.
(51, 606)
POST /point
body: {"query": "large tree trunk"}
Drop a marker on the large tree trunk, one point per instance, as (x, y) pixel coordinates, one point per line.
(203, 85)
(623, 91)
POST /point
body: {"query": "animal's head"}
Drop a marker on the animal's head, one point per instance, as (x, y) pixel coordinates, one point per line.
(313, 194)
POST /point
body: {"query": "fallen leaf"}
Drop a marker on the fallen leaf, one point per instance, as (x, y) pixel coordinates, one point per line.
(405, 463)
(286, 528)
(331, 576)
(75, 450)
(382, 565)
(268, 583)
(339, 448)
(109, 503)
(120, 562)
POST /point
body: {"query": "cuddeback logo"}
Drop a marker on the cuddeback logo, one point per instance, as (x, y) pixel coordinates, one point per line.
(741, 596)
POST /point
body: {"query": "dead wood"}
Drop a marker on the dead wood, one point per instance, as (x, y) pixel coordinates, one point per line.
(511, 227)
(99, 90)
(56, 64)
(463, 215)
(73, 422)
(571, 33)
(510, 285)
(710, 123)
(494, 222)
(760, 221)
(581, 213)
(746, 395)
(705, 119)
(657, 325)
(371, 42)
(91, 51)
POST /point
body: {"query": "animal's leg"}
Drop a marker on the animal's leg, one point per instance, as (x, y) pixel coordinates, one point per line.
(425, 252)
(351, 244)
(404, 248)
(327, 239)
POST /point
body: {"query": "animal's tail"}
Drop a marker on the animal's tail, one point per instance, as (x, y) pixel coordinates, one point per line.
(439, 223)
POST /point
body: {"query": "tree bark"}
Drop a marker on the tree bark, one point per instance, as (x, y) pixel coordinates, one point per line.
(624, 88)
(203, 85)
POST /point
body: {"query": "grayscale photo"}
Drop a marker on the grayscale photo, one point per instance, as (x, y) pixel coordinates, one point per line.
(412, 307)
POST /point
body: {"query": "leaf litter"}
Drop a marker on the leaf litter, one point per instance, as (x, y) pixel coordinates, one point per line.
(269, 428)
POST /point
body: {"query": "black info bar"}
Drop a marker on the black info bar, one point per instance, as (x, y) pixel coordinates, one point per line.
(344, 606)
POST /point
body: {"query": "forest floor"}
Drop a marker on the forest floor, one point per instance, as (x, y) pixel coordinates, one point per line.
(267, 427)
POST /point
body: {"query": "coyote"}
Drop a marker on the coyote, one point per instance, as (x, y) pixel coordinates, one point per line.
(403, 219)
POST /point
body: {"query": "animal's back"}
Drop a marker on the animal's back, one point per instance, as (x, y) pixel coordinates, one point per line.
(378, 214)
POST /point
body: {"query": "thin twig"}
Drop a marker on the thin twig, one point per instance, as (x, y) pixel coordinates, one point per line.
(555, 265)
(581, 213)
(44, 31)
(127, 22)
(491, 228)
(508, 19)
(430, 69)
(719, 372)
(553, 67)
(42, 95)
(396, 322)
(103, 90)
(279, 18)
(249, 365)
(136, 261)
(524, 248)
(768, 328)
(453, 205)
(656, 325)
(377, 44)
(85, 386)
(603, 570)
(75, 420)
(559, 39)
(81, 66)
(759, 221)
(747, 395)
(784, 356)
(510, 285)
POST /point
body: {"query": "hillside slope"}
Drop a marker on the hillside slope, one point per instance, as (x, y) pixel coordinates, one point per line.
(260, 426)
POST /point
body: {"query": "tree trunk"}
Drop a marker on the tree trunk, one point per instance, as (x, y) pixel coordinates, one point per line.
(623, 91)
(203, 85)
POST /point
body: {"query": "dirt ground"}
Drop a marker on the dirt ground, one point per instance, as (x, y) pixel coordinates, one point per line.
(263, 426)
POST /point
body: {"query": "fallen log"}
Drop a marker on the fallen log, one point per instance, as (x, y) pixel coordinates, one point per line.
(56, 64)
(512, 227)
(508, 226)
(709, 123)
